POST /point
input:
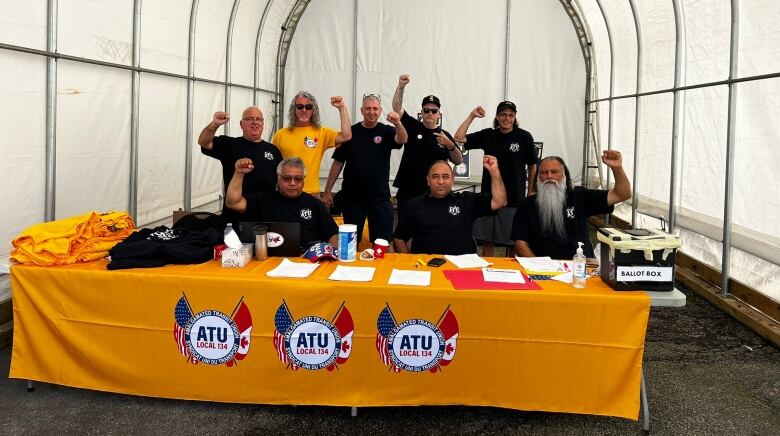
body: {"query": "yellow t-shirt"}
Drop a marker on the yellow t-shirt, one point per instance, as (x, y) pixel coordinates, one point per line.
(309, 144)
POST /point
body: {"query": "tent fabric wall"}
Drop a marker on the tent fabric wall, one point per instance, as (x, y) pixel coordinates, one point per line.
(458, 49)
(462, 61)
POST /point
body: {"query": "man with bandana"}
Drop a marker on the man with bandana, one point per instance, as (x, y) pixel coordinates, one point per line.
(551, 222)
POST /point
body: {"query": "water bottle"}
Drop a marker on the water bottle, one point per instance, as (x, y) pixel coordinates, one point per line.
(578, 267)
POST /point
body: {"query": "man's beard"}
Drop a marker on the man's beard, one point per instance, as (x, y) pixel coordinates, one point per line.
(550, 199)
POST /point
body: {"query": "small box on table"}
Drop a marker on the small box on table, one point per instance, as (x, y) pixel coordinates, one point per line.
(237, 257)
(638, 259)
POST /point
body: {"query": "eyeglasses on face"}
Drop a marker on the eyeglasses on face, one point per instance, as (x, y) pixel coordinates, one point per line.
(301, 107)
(256, 119)
(432, 110)
(288, 178)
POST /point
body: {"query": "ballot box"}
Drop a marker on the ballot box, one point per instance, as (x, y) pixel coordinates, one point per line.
(638, 258)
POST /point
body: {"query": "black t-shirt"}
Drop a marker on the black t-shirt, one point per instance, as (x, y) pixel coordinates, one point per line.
(420, 151)
(265, 157)
(442, 225)
(581, 204)
(316, 222)
(367, 162)
(514, 151)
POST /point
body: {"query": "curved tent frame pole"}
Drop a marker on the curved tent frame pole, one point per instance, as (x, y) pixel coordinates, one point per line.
(288, 31)
(611, 89)
(678, 53)
(229, 59)
(730, 144)
(51, 112)
(637, 112)
(132, 207)
(190, 102)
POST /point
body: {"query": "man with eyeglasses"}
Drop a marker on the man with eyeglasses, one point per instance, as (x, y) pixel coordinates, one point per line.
(514, 148)
(288, 204)
(227, 149)
(306, 138)
(427, 143)
(364, 190)
(440, 222)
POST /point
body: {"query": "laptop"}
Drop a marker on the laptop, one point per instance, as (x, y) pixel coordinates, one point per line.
(284, 239)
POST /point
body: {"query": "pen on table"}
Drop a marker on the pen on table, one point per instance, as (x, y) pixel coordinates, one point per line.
(419, 263)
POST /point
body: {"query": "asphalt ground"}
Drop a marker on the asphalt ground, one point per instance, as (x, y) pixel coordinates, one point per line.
(706, 375)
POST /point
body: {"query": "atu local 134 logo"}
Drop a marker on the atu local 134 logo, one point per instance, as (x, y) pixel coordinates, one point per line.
(211, 336)
(312, 342)
(416, 344)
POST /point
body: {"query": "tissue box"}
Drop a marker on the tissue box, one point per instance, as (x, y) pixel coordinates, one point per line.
(237, 257)
(638, 259)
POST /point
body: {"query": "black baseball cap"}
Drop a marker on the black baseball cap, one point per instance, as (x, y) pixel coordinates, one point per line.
(506, 105)
(431, 99)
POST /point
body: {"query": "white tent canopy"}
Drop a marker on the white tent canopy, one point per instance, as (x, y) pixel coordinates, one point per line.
(103, 100)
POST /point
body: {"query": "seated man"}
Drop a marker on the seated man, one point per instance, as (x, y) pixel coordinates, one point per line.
(288, 204)
(551, 222)
(440, 222)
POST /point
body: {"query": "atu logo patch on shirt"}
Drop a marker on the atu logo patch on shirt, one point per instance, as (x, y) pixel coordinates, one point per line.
(377, 139)
(268, 155)
(514, 147)
(454, 210)
(310, 142)
(570, 212)
(306, 214)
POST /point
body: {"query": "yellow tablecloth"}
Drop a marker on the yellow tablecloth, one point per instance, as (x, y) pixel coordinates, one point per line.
(558, 349)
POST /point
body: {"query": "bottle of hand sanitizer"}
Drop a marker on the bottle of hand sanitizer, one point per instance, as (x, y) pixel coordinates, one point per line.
(578, 266)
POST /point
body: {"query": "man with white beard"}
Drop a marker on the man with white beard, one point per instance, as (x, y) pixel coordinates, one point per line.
(551, 222)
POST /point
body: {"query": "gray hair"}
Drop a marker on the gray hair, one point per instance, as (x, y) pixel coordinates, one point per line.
(294, 162)
(315, 112)
(374, 97)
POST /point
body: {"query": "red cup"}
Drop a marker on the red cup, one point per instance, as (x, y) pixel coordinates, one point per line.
(380, 248)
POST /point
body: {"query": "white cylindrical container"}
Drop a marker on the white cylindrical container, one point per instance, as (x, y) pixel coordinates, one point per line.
(347, 242)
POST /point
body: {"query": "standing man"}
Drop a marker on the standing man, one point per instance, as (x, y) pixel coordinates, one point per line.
(288, 204)
(427, 144)
(514, 148)
(365, 189)
(551, 222)
(441, 222)
(264, 156)
(304, 137)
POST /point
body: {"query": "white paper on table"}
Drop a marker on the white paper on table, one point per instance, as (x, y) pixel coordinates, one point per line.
(353, 273)
(539, 264)
(500, 275)
(565, 277)
(409, 277)
(471, 260)
(288, 268)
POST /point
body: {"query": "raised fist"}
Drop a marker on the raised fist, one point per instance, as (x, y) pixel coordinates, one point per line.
(393, 118)
(403, 80)
(244, 165)
(220, 118)
(337, 101)
(490, 163)
(612, 158)
(478, 112)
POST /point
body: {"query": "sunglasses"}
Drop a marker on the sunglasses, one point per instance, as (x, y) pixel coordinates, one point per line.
(376, 96)
(430, 110)
(288, 178)
(301, 107)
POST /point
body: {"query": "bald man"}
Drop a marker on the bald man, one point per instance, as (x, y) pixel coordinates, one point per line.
(227, 149)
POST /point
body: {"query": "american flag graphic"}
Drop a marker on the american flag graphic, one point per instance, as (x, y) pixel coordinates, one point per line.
(282, 321)
(182, 315)
(384, 325)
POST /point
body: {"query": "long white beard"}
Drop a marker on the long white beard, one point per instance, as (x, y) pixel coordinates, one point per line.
(550, 199)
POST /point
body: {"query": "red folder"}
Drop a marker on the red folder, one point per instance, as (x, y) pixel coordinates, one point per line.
(463, 279)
